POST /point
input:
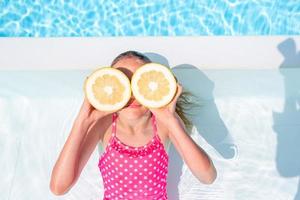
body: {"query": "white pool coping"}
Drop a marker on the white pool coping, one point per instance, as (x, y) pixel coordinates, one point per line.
(205, 52)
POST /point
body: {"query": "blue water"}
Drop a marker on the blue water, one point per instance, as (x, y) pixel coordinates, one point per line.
(148, 18)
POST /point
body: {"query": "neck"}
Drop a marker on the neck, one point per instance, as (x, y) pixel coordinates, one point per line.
(134, 124)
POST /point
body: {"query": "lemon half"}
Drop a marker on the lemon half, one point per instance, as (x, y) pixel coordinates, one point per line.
(153, 85)
(107, 89)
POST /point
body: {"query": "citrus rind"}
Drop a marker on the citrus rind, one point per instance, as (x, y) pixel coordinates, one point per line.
(156, 88)
(107, 89)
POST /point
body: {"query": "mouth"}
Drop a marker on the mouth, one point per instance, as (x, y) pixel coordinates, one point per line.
(133, 104)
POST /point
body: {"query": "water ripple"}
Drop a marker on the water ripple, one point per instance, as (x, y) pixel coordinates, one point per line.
(144, 18)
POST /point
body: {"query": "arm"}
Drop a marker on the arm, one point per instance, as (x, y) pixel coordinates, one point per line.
(66, 167)
(194, 156)
(77, 149)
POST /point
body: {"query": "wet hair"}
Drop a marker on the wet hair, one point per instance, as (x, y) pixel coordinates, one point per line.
(131, 54)
(185, 102)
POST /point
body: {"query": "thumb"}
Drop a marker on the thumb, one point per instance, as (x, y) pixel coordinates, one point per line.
(178, 91)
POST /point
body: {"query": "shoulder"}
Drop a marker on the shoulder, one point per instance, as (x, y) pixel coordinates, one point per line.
(163, 133)
(102, 126)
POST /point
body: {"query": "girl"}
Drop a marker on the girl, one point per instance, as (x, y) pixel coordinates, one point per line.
(135, 162)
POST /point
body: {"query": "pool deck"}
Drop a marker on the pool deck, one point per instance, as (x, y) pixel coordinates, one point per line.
(206, 52)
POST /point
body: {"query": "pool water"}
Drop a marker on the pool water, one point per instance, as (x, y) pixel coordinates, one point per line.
(55, 18)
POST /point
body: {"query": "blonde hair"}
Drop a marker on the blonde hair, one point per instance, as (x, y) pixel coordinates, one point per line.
(186, 101)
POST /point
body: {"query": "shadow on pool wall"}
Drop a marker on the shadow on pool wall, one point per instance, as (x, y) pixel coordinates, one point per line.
(286, 123)
(206, 120)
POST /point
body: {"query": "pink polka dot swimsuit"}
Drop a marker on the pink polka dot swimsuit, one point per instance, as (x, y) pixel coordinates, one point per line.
(138, 173)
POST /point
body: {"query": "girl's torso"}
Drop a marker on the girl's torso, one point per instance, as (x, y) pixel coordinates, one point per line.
(134, 169)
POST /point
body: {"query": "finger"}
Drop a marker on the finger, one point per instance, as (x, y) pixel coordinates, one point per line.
(179, 90)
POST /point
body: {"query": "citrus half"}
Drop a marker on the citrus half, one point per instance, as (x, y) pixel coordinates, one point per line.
(107, 89)
(153, 85)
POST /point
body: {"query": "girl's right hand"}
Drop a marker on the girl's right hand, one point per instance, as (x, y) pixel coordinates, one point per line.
(87, 111)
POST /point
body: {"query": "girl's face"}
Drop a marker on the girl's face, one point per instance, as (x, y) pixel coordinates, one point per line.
(128, 66)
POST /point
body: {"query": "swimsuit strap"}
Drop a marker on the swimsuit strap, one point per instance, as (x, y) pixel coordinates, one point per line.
(114, 124)
(154, 123)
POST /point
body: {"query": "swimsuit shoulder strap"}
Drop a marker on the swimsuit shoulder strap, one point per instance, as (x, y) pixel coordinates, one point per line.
(114, 117)
(154, 124)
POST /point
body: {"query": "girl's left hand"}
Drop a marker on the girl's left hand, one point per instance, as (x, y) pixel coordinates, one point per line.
(169, 110)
